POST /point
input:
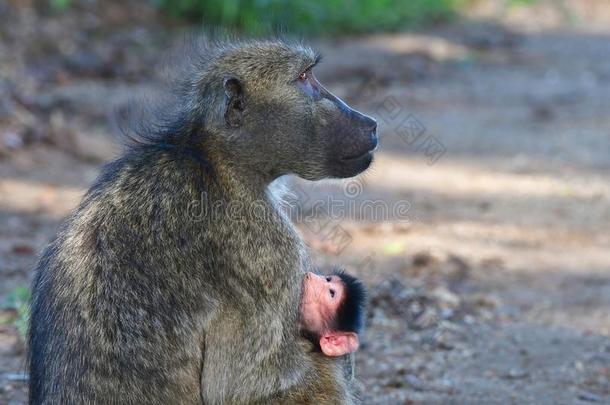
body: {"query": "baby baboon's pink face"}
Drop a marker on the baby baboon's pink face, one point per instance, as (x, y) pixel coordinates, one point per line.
(322, 296)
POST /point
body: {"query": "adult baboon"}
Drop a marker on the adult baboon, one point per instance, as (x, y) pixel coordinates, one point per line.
(138, 301)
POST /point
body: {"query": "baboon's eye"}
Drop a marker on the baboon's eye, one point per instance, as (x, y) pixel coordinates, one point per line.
(332, 293)
(303, 76)
(328, 278)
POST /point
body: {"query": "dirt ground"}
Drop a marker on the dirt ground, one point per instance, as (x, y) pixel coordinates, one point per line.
(482, 229)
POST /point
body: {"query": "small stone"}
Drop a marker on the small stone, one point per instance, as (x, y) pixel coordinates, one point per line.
(16, 376)
(542, 112)
(446, 386)
(445, 340)
(423, 259)
(516, 373)
(395, 383)
(459, 268)
(23, 249)
(415, 382)
(446, 298)
(447, 313)
(12, 140)
(589, 397)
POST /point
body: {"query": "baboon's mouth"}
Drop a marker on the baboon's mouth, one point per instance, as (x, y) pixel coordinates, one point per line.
(366, 153)
(349, 166)
(373, 144)
(357, 157)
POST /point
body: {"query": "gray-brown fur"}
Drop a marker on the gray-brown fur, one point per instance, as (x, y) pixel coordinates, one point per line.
(139, 300)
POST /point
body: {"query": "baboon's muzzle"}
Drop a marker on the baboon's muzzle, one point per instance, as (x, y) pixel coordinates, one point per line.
(355, 139)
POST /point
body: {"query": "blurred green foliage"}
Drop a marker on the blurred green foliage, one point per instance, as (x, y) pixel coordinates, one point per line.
(522, 2)
(59, 5)
(19, 299)
(312, 16)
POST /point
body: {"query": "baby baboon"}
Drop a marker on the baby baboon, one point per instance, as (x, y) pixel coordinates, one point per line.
(332, 311)
(139, 301)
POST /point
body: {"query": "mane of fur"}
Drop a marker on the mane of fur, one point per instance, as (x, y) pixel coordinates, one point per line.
(174, 115)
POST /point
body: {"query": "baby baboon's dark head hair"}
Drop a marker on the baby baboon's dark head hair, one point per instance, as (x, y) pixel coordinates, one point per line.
(351, 312)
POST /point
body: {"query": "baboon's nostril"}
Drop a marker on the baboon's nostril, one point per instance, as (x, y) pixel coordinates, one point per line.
(374, 138)
(373, 125)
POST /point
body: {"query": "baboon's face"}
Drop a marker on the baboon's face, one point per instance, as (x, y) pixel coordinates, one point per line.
(344, 137)
(289, 123)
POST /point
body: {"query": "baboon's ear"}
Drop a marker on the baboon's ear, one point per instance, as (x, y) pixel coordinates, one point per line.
(234, 106)
(339, 343)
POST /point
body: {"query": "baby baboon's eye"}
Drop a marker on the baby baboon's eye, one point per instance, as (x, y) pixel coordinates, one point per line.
(332, 293)
(329, 278)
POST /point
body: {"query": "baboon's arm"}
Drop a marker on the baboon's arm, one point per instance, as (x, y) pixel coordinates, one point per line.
(240, 369)
(330, 381)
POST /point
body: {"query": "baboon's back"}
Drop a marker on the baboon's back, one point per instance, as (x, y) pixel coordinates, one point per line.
(110, 322)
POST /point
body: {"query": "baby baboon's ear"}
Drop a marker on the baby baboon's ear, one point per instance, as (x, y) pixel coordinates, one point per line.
(339, 343)
(235, 102)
